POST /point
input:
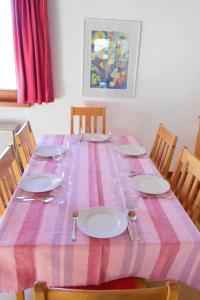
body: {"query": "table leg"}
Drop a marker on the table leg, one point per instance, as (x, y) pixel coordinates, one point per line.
(20, 295)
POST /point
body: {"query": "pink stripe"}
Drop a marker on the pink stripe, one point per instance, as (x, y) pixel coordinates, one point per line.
(189, 264)
(98, 256)
(140, 249)
(73, 205)
(25, 256)
(169, 240)
(8, 272)
(196, 276)
(105, 243)
(95, 251)
(126, 248)
(98, 176)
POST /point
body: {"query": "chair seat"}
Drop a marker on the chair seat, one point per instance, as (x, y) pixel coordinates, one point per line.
(167, 292)
(118, 284)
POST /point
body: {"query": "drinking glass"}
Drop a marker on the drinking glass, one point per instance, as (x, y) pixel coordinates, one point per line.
(62, 189)
(131, 198)
(58, 158)
(81, 134)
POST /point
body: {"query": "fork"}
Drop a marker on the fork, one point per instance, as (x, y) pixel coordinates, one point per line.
(44, 200)
(74, 217)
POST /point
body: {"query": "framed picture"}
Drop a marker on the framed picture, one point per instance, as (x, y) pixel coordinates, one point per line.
(110, 57)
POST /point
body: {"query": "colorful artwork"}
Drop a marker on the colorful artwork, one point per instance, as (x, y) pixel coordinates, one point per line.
(109, 60)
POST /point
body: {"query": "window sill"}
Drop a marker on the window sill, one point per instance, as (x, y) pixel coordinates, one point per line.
(9, 98)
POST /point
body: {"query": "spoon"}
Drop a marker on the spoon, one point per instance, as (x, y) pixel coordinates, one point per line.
(132, 217)
(74, 217)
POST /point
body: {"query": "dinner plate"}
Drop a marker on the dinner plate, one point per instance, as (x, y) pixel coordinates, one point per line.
(150, 184)
(132, 150)
(40, 182)
(49, 150)
(96, 137)
(102, 222)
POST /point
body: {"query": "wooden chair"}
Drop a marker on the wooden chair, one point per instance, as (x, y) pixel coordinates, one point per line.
(185, 183)
(197, 150)
(167, 292)
(163, 149)
(88, 118)
(10, 174)
(25, 143)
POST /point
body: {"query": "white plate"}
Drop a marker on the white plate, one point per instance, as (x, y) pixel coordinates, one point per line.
(41, 182)
(96, 137)
(150, 184)
(102, 222)
(132, 150)
(49, 151)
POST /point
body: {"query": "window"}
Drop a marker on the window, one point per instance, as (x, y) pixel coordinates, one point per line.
(7, 63)
(8, 93)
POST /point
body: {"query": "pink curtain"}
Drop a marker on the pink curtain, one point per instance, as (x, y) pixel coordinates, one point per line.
(32, 51)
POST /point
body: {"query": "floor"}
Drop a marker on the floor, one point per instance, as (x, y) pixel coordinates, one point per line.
(186, 293)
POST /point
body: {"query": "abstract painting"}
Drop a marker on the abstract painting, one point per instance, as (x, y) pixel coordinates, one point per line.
(110, 57)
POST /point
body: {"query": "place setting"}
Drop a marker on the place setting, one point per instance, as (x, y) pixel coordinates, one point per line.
(106, 222)
(102, 222)
(44, 152)
(86, 135)
(39, 187)
(152, 186)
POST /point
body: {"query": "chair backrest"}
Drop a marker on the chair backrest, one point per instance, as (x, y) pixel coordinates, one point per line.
(197, 149)
(168, 292)
(10, 174)
(25, 143)
(185, 183)
(88, 118)
(163, 149)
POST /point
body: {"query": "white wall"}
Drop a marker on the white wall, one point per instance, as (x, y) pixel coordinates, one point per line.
(168, 82)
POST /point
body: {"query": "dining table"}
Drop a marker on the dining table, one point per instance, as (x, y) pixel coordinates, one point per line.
(35, 237)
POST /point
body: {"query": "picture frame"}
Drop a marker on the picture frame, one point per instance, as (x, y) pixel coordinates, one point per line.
(111, 49)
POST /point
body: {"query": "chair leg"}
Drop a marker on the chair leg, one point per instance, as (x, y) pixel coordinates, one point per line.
(20, 295)
(140, 283)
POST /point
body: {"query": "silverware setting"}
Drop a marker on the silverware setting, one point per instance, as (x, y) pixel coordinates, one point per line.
(130, 232)
(134, 173)
(133, 218)
(157, 196)
(44, 199)
(74, 217)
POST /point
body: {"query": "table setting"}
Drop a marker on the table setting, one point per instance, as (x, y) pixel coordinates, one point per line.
(82, 206)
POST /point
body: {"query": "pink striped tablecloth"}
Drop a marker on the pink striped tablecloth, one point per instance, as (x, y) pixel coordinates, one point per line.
(35, 241)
